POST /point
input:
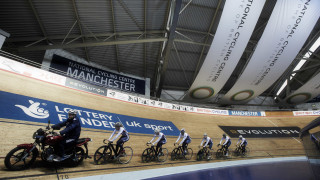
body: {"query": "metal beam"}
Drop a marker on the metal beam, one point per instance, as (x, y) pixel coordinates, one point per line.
(145, 36)
(206, 41)
(115, 37)
(72, 36)
(90, 44)
(79, 25)
(38, 20)
(124, 6)
(171, 35)
(306, 68)
(181, 66)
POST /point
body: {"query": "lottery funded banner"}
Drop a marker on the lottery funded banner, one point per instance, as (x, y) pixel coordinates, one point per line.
(308, 91)
(236, 25)
(25, 108)
(287, 30)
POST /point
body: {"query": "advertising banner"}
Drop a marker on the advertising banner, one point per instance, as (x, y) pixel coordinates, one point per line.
(236, 25)
(75, 84)
(306, 113)
(26, 70)
(261, 132)
(18, 107)
(97, 76)
(308, 91)
(246, 113)
(287, 30)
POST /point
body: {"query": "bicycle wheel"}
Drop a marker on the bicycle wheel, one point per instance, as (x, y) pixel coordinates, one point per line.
(126, 155)
(247, 152)
(200, 155)
(146, 155)
(189, 154)
(163, 155)
(229, 152)
(219, 153)
(236, 152)
(102, 155)
(210, 155)
(175, 154)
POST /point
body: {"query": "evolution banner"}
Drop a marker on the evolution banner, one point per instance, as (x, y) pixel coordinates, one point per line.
(97, 76)
(236, 25)
(261, 132)
(18, 107)
(287, 30)
(308, 91)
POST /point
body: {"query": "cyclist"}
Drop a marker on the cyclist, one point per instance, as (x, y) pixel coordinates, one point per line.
(161, 140)
(185, 141)
(70, 134)
(124, 137)
(243, 143)
(208, 141)
(227, 142)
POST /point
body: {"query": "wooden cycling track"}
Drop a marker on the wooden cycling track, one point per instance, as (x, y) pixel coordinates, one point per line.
(15, 132)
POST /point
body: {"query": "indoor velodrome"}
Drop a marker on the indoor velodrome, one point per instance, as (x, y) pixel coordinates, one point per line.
(236, 81)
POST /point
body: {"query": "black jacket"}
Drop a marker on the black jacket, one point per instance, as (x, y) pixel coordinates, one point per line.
(72, 130)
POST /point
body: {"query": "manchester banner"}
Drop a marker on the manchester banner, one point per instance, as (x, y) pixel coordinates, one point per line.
(236, 25)
(97, 76)
(287, 30)
(308, 91)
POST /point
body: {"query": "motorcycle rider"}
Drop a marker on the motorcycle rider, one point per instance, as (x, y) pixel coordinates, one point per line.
(71, 134)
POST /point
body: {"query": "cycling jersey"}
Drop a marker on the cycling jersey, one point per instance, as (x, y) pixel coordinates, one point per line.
(122, 131)
(185, 137)
(161, 137)
(244, 141)
(227, 140)
(208, 140)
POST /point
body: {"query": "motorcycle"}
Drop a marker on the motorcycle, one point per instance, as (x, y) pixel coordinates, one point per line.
(24, 155)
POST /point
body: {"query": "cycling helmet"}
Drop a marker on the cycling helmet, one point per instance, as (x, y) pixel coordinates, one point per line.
(224, 135)
(183, 130)
(157, 131)
(205, 134)
(118, 124)
(241, 136)
(73, 112)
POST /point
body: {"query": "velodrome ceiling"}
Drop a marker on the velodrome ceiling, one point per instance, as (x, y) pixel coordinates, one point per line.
(166, 41)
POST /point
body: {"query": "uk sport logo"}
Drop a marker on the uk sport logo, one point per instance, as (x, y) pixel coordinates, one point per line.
(34, 110)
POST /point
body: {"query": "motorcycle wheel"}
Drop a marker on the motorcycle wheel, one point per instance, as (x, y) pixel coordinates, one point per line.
(14, 160)
(77, 156)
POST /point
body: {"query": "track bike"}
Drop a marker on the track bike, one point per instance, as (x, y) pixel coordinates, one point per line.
(106, 153)
(222, 152)
(205, 153)
(238, 151)
(177, 153)
(149, 154)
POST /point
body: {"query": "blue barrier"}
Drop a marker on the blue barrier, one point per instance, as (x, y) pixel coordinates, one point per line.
(19, 107)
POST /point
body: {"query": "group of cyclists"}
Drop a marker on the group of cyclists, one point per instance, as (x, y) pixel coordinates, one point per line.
(73, 129)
